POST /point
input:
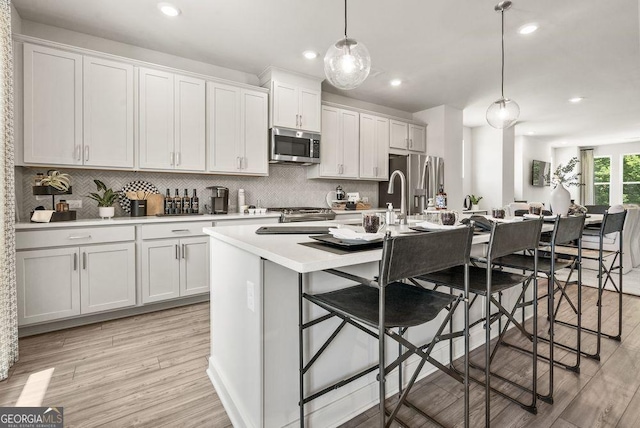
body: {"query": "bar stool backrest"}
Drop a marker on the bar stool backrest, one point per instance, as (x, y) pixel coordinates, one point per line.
(509, 238)
(613, 222)
(408, 256)
(568, 229)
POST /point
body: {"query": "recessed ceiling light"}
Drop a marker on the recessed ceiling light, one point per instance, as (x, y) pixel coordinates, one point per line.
(530, 133)
(310, 54)
(396, 82)
(528, 29)
(576, 100)
(168, 9)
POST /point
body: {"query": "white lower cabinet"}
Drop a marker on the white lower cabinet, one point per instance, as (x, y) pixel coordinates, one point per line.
(174, 268)
(64, 282)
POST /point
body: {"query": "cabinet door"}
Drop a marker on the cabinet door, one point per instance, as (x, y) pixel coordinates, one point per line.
(160, 270)
(108, 113)
(285, 105)
(382, 144)
(156, 119)
(194, 266)
(48, 285)
(107, 277)
(398, 132)
(52, 106)
(368, 149)
(330, 146)
(309, 109)
(254, 132)
(223, 115)
(190, 140)
(350, 130)
(417, 138)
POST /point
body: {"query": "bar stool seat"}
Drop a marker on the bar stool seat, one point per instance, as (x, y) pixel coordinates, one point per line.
(454, 278)
(523, 261)
(406, 305)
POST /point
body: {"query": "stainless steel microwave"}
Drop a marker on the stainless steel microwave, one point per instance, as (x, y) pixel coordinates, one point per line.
(292, 146)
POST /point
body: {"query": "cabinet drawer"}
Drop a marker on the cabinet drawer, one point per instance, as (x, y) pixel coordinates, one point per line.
(174, 230)
(73, 236)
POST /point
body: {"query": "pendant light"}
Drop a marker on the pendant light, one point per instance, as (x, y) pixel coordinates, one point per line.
(503, 113)
(347, 62)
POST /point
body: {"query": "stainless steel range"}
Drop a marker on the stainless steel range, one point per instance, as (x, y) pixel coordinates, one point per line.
(294, 214)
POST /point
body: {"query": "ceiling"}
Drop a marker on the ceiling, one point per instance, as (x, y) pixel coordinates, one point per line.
(446, 52)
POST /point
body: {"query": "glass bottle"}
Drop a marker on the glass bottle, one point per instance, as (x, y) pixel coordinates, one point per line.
(177, 203)
(168, 203)
(186, 203)
(195, 203)
(441, 199)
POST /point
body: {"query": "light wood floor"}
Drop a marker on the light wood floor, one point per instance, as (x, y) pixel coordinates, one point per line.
(149, 371)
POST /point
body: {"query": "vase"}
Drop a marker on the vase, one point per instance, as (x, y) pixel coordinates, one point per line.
(106, 212)
(560, 200)
(475, 207)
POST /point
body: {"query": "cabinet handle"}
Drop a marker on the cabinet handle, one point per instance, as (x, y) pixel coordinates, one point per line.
(177, 252)
(75, 261)
(178, 158)
(184, 251)
(79, 237)
(180, 230)
(300, 121)
(375, 171)
(243, 162)
(410, 142)
(84, 260)
(86, 153)
(77, 151)
(171, 158)
(239, 162)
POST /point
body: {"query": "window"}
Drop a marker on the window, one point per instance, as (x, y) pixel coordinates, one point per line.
(601, 180)
(631, 179)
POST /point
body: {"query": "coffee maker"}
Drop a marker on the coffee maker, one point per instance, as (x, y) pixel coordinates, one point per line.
(219, 200)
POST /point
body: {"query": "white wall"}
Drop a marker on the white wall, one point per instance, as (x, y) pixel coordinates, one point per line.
(493, 165)
(16, 20)
(562, 155)
(444, 139)
(528, 149)
(86, 41)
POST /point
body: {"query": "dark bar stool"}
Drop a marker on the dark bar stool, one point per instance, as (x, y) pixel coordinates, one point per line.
(566, 230)
(609, 261)
(506, 238)
(377, 307)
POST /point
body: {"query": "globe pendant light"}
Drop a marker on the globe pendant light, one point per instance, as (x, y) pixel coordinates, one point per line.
(503, 113)
(347, 62)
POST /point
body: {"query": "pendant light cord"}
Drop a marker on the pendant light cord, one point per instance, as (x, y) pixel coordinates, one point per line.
(502, 81)
(345, 19)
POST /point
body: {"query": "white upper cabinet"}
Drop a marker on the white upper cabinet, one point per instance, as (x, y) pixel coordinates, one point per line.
(374, 147)
(190, 139)
(52, 106)
(171, 121)
(237, 130)
(108, 113)
(417, 138)
(407, 136)
(295, 107)
(339, 147)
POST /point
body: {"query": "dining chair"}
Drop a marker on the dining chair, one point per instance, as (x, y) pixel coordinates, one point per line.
(380, 306)
(485, 282)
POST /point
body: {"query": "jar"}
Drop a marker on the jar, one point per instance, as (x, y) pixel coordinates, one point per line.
(62, 206)
(340, 193)
(37, 180)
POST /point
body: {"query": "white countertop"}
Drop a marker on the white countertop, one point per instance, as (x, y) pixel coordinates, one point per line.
(122, 221)
(285, 251)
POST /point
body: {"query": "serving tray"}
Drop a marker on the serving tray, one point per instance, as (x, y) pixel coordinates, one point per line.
(292, 230)
(348, 244)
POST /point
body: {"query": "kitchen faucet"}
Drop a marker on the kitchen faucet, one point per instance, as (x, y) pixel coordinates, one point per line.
(402, 217)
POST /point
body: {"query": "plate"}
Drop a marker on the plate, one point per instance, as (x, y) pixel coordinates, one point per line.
(545, 218)
(347, 243)
(330, 197)
(134, 186)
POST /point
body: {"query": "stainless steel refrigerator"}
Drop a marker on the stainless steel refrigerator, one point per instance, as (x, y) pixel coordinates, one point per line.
(425, 174)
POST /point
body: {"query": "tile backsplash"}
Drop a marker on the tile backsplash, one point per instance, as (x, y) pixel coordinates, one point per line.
(286, 185)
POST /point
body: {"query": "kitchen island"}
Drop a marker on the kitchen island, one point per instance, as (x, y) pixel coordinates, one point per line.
(254, 330)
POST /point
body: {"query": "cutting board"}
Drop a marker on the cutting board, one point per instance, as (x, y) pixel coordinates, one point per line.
(155, 204)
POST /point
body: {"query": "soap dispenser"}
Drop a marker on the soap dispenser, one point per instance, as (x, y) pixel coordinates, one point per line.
(390, 216)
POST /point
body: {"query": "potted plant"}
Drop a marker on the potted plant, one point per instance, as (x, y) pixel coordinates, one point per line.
(57, 180)
(475, 200)
(563, 177)
(105, 201)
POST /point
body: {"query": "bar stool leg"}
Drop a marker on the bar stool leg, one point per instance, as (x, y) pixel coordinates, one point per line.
(487, 351)
(301, 348)
(466, 348)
